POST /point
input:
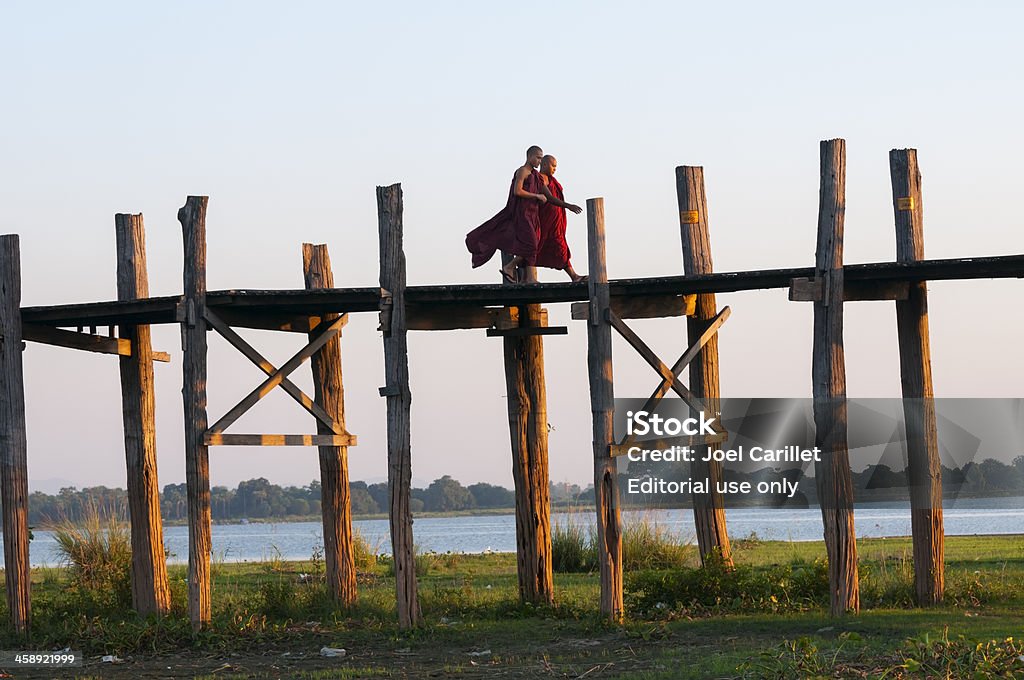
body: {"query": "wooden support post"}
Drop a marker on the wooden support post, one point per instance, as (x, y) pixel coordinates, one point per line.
(528, 429)
(193, 393)
(832, 474)
(399, 396)
(329, 393)
(13, 445)
(150, 590)
(708, 508)
(602, 406)
(924, 469)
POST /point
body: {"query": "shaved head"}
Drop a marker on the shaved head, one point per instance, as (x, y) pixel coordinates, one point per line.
(533, 149)
(548, 164)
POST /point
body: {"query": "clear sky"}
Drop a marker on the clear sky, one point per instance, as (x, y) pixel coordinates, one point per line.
(288, 115)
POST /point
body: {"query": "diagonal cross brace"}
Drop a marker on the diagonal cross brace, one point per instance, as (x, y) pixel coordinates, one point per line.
(669, 377)
(324, 331)
(288, 386)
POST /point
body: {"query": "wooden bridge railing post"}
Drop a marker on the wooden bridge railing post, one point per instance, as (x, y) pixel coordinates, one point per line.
(602, 406)
(399, 402)
(329, 392)
(828, 372)
(13, 445)
(150, 590)
(193, 393)
(923, 465)
(708, 509)
(528, 429)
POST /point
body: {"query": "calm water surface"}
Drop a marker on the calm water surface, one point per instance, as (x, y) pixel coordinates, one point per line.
(497, 533)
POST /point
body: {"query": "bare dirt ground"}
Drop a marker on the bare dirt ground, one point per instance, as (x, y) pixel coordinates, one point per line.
(611, 655)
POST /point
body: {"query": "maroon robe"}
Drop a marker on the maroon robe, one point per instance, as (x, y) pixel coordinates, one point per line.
(514, 230)
(553, 251)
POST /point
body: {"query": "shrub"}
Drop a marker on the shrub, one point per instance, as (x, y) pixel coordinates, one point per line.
(572, 547)
(98, 555)
(714, 587)
(364, 554)
(963, 658)
(423, 562)
(649, 545)
(645, 545)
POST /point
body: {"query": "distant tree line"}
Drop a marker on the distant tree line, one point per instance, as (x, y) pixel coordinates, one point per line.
(260, 499)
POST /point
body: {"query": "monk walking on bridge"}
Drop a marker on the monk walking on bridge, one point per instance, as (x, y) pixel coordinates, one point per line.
(553, 250)
(516, 228)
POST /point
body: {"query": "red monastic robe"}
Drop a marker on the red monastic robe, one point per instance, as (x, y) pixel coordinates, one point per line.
(514, 230)
(553, 251)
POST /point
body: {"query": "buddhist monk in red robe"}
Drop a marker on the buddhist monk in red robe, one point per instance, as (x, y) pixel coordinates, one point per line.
(553, 250)
(516, 228)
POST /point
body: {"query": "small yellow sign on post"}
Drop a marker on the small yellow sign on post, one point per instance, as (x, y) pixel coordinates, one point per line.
(906, 203)
(689, 217)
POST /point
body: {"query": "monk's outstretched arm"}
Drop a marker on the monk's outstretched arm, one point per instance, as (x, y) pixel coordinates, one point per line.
(560, 203)
(521, 175)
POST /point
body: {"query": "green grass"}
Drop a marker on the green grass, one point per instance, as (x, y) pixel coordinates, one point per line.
(766, 618)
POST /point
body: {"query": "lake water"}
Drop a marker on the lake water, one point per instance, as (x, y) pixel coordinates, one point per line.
(497, 533)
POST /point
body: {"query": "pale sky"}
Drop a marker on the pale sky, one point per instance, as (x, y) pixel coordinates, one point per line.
(288, 115)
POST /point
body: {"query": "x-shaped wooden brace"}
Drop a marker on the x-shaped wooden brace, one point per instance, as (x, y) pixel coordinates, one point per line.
(669, 380)
(278, 377)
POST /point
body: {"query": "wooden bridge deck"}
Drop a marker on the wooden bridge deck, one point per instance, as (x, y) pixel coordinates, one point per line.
(160, 310)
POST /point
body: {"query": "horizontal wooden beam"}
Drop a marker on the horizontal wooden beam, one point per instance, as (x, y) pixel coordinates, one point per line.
(221, 439)
(522, 331)
(245, 318)
(457, 317)
(101, 344)
(860, 291)
(642, 307)
(450, 317)
(338, 300)
(805, 289)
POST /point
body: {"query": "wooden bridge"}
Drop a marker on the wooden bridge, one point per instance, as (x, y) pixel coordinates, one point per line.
(514, 313)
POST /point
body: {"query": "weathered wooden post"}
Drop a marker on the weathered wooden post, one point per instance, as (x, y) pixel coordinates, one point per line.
(708, 509)
(399, 400)
(828, 373)
(528, 428)
(13, 445)
(150, 591)
(602, 406)
(924, 469)
(329, 392)
(193, 393)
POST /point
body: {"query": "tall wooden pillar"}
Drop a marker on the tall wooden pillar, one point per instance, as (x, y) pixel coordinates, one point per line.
(399, 402)
(150, 591)
(193, 393)
(329, 392)
(528, 428)
(828, 373)
(708, 509)
(13, 446)
(923, 465)
(602, 406)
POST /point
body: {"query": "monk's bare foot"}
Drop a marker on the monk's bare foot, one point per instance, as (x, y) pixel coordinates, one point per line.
(509, 273)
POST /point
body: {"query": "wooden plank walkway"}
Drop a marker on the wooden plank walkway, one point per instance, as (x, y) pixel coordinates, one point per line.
(161, 310)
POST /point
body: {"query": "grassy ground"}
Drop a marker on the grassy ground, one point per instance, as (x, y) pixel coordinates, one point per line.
(766, 620)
